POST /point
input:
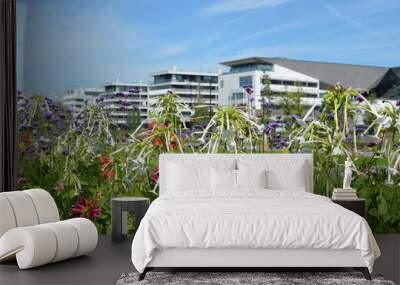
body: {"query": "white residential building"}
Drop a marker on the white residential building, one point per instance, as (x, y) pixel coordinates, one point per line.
(77, 99)
(250, 72)
(192, 87)
(122, 100)
(312, 78)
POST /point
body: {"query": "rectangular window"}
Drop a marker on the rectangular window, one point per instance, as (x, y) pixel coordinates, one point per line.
(251, 67)
(288, 83)
(276, 81)
(312, 84)
(245, 80)
(237, 96)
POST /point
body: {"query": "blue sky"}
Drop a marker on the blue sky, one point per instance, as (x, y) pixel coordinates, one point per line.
(68, 44)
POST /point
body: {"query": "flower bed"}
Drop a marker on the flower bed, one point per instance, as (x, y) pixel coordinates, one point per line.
(85, 162)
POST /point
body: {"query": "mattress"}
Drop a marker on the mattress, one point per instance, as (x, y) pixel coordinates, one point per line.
(250, 219)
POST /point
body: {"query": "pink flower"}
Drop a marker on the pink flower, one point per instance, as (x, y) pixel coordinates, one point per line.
(85, 208)
(155, 175)
(21, 181)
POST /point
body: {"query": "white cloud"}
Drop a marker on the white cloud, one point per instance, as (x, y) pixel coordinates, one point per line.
(226, 6)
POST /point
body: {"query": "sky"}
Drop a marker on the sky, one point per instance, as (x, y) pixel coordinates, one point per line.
(87, 43)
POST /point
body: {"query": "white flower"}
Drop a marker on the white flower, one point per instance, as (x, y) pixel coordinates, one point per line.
(300, 139)
(318, 123)
(384, 121)
(231, 144)
(393, 171)
(337, 151)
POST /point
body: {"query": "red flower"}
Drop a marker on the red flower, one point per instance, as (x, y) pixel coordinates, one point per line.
(110, 174)
(104, 161)
(157, 142)
(26, 138)
(152, 125)
(173, 145)
(107, 170)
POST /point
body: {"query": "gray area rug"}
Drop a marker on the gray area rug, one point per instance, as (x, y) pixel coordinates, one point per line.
(228, 278)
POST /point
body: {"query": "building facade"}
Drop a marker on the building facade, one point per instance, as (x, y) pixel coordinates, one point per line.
(192, 87)
(77, 99)
(125, 101)
(250, 72)
(310, 78)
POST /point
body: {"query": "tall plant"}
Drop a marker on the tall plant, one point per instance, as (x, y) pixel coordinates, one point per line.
(230, 129)
(165, 133)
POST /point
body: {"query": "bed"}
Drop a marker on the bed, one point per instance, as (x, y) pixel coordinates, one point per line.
(245, 211)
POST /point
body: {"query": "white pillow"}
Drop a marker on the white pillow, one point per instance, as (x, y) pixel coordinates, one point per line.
(223, 179)
(281, 174)
(251, 178)
(279, 178)
(183, 177)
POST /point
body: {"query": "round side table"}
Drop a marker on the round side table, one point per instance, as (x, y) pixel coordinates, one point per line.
(119, 214)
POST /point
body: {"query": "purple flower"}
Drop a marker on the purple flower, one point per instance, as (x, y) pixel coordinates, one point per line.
(47, 115)
(29, 149)
(398, 103)
(21, 181)
(273, 125)
(248, 89)
(187, 134)
(267, 104)
(285, 143)
(330, 116)
(372, 143)
(348, 139)
(270, 127)
(361, 128)
(359, 98)
(23, 116)
(25, 127)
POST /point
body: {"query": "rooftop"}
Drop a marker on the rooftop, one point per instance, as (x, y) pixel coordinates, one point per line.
(174, 70)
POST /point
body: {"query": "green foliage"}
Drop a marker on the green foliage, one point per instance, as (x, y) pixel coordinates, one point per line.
(334, 137)
(291, 103)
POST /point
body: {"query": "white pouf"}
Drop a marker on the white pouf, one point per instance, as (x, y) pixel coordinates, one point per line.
(31, 232)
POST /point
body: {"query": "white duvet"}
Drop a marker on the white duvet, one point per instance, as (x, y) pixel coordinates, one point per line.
(254, 218)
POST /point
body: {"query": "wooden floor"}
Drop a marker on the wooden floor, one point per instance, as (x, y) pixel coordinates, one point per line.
(106, 264)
